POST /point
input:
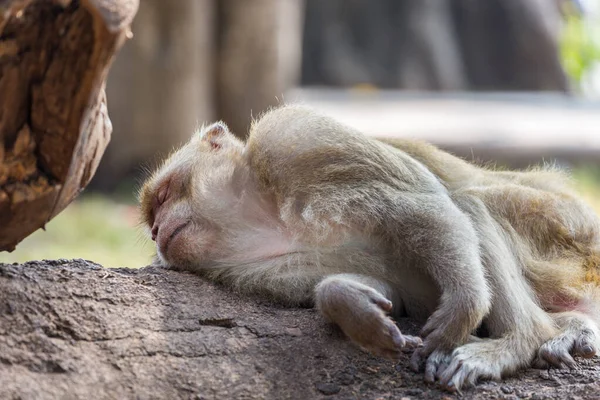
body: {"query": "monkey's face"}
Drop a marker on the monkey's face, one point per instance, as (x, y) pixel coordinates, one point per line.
(192, 190)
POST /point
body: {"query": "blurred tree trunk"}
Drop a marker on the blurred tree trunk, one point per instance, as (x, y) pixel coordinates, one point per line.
(259, 56)
(194, 61)
(510, 44)
(433, 44)
(161, 87)
(389, 43)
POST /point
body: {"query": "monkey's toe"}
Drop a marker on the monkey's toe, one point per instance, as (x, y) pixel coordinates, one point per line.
(436, 364)
(380, 335)
(391, 345)
(469, 364)
(559, 351)
(556, 356)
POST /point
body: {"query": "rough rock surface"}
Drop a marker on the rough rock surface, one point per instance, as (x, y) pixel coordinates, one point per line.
(75, 330)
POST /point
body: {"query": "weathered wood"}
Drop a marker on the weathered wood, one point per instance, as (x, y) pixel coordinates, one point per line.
(74, 330)
(54, 127)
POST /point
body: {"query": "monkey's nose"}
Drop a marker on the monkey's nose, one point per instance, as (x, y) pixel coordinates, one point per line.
(154, 232)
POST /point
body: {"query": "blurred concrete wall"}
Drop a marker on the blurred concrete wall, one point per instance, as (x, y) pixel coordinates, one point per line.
(434, 44)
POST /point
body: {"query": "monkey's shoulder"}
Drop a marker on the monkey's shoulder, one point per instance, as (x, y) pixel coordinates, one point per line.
(294, 145)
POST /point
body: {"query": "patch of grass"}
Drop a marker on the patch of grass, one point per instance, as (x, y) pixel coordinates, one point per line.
(95, 228)
(106, 231)
(587, 182)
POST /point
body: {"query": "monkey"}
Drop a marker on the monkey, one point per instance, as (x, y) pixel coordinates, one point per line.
(308, 211)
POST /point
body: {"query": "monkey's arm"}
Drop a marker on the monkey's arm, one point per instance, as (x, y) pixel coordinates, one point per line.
(431, 234)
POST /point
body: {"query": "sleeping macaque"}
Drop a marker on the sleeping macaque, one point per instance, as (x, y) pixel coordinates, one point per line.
(309, 211)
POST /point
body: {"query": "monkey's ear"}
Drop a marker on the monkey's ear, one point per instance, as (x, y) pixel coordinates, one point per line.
(215, 134)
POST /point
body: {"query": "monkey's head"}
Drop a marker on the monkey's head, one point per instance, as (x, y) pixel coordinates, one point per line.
(195, 187)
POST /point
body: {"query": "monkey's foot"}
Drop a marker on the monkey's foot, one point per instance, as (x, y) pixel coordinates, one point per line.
(577, 340)
(473, 362)
(434, 362)
(384, 339)
(463, 367)
(377, 333)
(361, 313)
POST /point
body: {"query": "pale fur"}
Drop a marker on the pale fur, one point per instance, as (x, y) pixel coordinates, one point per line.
(309, 211)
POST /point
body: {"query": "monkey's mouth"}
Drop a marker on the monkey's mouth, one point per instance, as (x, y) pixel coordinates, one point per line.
(164, 245)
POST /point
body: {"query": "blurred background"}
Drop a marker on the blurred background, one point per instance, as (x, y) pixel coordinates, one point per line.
(508, 82)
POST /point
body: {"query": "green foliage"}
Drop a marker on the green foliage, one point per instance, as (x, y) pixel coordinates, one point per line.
(587, 181)
(579, 45)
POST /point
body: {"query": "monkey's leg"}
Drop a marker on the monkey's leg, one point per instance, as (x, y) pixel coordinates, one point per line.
(516, 324)
(358, 305)
(579, 336)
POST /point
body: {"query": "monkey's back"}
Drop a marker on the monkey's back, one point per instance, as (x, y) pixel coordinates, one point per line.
(294, 146)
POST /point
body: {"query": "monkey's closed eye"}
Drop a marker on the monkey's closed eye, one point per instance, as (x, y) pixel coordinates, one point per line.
(162, 194)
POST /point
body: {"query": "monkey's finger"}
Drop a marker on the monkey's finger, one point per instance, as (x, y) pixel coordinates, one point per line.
(551, 362)
(417, 360)
(557, 357)
(385, 352)
(426, 331)
(434, 323)
(381, 302)
(413, 341)
(463, 378)
(452, 372)
(440, 369)
(430, 371)
(397, 337)
(568, 360)
(433, 365)
(471, 378)
(428, 348)
(455, 383)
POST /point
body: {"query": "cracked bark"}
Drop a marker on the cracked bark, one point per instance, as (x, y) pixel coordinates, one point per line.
(54, 127)
(75, 330)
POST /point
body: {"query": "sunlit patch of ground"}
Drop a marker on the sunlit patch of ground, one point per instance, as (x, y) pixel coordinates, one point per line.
(95, 228)
(106, 231)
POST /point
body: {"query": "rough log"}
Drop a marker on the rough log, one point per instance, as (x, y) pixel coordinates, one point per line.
(75, 330)
(54, 58)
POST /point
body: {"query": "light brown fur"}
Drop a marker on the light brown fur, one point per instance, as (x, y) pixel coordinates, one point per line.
(309, 211)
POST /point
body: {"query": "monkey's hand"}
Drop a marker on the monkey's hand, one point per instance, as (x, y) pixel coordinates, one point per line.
(361, 312)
